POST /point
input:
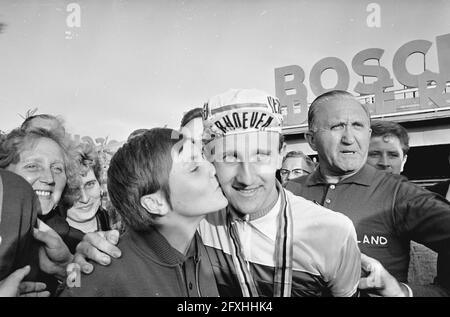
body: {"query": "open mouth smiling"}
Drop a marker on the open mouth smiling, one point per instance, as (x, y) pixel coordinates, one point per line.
(43, 193)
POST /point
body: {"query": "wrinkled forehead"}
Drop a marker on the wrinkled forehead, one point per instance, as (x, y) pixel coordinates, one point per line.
(243, 144)
(44, 145)
(341, 108)
(387, 139)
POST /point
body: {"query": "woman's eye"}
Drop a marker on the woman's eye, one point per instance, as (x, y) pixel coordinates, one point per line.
(90, 184)
(58, 169)
(31, 166)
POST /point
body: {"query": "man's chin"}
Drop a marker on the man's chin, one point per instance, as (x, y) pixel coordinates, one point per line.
(351, 168)
(243, 209)
(47, 205)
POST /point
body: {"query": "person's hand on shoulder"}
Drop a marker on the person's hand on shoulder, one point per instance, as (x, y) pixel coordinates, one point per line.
(54, 255)
(99, 247)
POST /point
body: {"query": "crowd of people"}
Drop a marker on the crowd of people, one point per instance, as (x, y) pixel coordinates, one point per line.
(219, 207)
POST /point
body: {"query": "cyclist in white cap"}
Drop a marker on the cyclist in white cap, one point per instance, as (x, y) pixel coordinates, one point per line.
(269, 242)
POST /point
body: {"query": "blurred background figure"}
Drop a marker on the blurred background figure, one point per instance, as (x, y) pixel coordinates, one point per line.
(389, 146)
(192, 124)
(296, 164)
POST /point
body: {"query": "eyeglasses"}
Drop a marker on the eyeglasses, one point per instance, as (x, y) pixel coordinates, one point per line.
(297, 172)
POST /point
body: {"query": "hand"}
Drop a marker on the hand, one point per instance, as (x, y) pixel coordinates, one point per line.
(33, 289)
(97, 246)
(379, 280)
(13, 286)
(73, 275)
(54, 255)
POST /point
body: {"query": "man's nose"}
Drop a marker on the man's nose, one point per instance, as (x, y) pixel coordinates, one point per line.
(384, 162)
(348, 136)
(245, 175)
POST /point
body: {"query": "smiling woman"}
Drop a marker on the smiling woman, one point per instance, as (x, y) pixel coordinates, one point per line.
(45, 161)
(87, 213)
(42, 159)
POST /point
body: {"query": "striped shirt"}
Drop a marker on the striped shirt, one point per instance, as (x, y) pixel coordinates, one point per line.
(326, 258)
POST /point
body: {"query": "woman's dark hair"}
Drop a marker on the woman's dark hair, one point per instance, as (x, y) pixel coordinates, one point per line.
(141, 167)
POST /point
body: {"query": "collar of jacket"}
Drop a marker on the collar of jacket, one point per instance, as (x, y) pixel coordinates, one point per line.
(153, 245)
(363, 177)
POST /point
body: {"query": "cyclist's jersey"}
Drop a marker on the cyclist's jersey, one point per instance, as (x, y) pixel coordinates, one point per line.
(325, 255)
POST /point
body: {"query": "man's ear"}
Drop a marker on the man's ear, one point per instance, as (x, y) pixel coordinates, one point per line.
(309, 135)
(403, 163)
(155, 203)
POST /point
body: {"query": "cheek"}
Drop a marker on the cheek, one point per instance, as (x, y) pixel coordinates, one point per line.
(364, 139)
(266, 170)
(187, 188)
(60, 181)
(189, 197)
(224, 173)
(94, 193)
(329, 141)
(396, 161)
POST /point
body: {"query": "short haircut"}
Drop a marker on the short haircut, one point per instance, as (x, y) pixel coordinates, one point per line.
(136, 133)
(191, 114)
(382, 128)
(295, 154)
(333, 94)
(141, 167)
(18, 140)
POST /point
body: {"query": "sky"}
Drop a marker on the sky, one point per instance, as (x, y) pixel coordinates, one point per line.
(142, 64)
